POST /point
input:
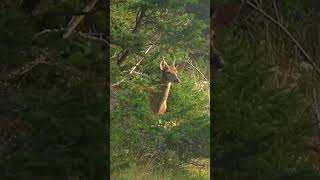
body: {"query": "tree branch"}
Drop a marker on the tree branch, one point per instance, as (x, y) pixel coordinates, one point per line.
(139, 17)
(293, 39)
(134, 67)
(203, 76)
(45, 31)
(21, 71)
(88, 36)
(75, 21)
(66, 13)
(92, 36)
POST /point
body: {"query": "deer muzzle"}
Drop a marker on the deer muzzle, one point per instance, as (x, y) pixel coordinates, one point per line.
(177, 80)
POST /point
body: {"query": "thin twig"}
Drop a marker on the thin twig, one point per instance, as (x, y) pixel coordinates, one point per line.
(204, 77)
(275, 8)
(45, 31)
(23, 70)
(118, 83)
(281, 26)
(92, 36)
(87, 36)
(134, 67)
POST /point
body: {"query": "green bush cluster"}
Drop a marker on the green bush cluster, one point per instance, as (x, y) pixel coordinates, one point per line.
(140, 136)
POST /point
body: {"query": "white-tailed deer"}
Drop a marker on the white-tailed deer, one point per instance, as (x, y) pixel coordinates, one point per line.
(159, 99)
(219, 18)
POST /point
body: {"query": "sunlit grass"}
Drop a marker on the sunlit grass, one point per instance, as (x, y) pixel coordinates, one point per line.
(199, 170)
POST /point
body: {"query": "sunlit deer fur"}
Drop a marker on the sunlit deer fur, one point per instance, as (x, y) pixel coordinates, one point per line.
(159, 99)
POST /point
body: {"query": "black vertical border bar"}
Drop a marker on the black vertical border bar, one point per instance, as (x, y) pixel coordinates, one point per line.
(107, 122)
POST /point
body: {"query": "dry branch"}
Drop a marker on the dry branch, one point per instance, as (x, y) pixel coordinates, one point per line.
(134, 67)
(75, 21)
(203, 76)
(45, 31)
(91, 36)
(28, 67)
(294, 40)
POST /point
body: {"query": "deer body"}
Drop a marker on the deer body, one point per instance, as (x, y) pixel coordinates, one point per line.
(159, 99)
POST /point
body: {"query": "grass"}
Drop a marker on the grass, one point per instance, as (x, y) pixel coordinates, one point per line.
(188, 172)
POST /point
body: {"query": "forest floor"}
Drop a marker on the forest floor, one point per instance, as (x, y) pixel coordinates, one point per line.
(199, 170)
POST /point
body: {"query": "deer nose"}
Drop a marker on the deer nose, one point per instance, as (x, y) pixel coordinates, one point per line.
(217, 61)
(176, 79)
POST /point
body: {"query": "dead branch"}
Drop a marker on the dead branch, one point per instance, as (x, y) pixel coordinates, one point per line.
(88, 36)
(203, 76)
(91, 36)
(22, 70)
(28, 67)
(293, 39)
(275, 8)
(67, 13)
(75, 21)
(45, 31)
(134, 67)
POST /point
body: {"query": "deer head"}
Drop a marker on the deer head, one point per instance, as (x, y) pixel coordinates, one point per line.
(169, 73)
(223, 15)
(158, 100)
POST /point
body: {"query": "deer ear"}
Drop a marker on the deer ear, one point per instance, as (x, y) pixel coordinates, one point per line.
(163, 64)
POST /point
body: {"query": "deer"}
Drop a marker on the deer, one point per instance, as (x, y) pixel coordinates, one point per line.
(159, 100)
(219, 18)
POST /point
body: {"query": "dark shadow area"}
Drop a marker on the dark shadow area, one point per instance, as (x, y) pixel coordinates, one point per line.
(53, 90)
(266, 99)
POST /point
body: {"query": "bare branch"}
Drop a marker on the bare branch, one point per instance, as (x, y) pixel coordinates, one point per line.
(92, 36)
(134, 67)
(274, 4)
(87, 36)
(294, 40)
(67, 13)
(21, 71)
(45, 31)
(203, 76)
(75, 21)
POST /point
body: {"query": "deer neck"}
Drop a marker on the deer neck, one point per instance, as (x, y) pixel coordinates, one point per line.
(165, 89)
(163, 97)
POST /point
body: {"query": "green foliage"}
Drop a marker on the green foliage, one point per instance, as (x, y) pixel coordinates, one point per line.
(54, 111)
(135, 129)
(138, 137)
